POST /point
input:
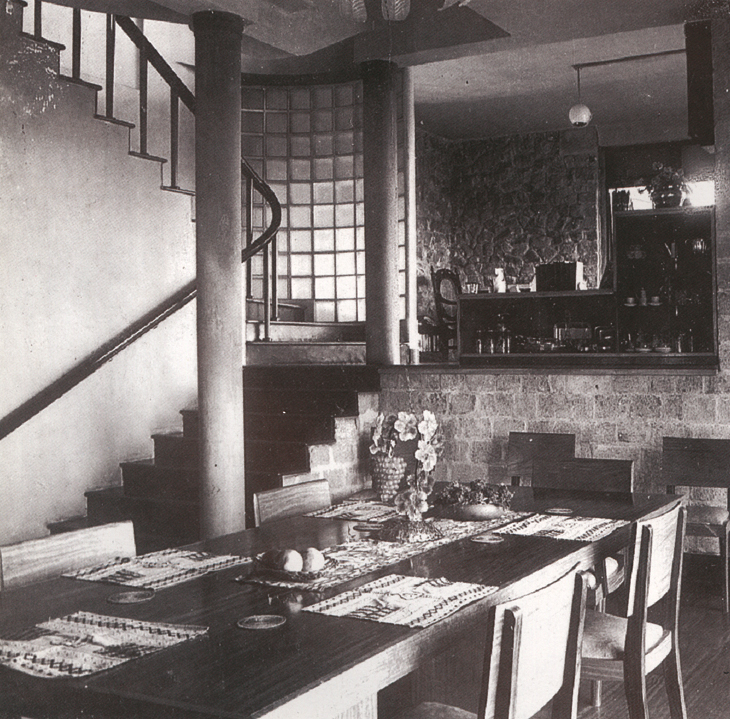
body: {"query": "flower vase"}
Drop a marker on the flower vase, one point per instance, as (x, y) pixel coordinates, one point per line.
(388, 473)
(669, 196)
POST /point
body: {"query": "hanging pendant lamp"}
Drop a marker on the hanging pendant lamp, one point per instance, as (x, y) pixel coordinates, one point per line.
(579, 115)
(392, 10)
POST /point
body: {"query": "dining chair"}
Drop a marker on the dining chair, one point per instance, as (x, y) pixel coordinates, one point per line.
(446, 290)
(532, 656)
(290, 501)
(702, 463)
(37, 559)
(525, 448)
(617, 648)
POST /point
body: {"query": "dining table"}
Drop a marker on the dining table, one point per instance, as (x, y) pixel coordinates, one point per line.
(311, 664)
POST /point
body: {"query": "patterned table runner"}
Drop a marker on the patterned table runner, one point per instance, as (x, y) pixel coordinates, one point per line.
(397, 599)
(584, 529)
(354, 559)
(158, 569)
(83, 643)
(358, 510)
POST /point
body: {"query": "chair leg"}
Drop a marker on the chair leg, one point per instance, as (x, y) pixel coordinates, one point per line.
(725, 573)
(636, 696)
(673, 682)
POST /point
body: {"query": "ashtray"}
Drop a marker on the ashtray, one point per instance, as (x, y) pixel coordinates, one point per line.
(487, 538)
(663, 350)
(134, 597)
(261, 621)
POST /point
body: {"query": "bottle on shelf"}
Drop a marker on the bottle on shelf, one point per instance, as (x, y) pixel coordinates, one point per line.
(503, 336)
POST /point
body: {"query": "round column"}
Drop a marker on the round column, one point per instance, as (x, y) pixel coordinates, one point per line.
(219, 271)
(380, 156)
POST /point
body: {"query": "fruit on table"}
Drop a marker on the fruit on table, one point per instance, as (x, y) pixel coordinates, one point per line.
(287, 559)
(313, 560)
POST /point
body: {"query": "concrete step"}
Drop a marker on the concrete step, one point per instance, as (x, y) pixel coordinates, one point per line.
(299, 353)
(325, 332)
(313, 376)
(295, 427)
(147, 479)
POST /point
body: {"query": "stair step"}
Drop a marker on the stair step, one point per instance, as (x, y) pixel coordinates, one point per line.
(304, 353)
(145, 479)
(364, 378)
(295, 427)
(339, 403)
(69, 525)
(104, 505)
(114, 121)
(147, 156)
(276, 456)
(175, 449)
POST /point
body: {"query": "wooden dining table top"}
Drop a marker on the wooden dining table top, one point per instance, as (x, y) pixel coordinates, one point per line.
(312, 665)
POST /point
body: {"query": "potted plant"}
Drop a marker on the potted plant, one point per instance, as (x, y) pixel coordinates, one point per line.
(474, 501)
(666, 187)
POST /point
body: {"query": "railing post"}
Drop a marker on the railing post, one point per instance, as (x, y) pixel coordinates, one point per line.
(249, 230)
(174, 136)
(274, 279)
(143, 101)
(76, 45)
(110, 52)
(267, 293)
(38, 19)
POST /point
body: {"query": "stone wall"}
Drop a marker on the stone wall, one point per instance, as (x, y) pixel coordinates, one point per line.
(620, 416)
(512, 202)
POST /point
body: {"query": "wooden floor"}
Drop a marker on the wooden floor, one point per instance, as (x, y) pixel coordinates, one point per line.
(705, 654)
(705, 657)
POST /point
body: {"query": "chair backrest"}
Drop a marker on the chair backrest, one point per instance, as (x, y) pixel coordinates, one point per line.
(533, 652)
(525, 448)
(585, 473)
(446, 289)
(656, 563)
(37, 559)
(695, 462)
(290, 501)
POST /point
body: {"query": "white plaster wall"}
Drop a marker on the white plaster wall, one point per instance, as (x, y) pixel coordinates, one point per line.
(88, 243)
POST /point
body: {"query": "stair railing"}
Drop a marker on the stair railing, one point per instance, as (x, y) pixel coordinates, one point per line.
(178, 92)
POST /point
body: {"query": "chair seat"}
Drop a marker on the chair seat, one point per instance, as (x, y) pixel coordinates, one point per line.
(715, 516)
(434, 710)
(604, 636)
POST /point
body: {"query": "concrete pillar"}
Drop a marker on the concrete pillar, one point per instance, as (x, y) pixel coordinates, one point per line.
(409, 117)
(219, 270)
(380, 154)
(721, 102)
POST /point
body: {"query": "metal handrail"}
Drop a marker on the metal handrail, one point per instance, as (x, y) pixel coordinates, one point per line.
(84, 369)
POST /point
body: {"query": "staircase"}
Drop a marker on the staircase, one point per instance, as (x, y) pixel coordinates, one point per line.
(301, 423)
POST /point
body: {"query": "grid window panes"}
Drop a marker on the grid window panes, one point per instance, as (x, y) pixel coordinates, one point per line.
(308, 142)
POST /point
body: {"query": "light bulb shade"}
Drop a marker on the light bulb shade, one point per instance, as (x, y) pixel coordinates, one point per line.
(353, 10)
(395, 10)
(579, 115)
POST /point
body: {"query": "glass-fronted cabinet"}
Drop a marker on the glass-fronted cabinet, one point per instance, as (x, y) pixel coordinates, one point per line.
(659, 312)
(665, 283)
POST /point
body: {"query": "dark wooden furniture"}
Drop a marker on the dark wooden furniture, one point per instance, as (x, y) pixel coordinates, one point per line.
(446, 290)
(38, 559)
(620, 649)
(659, 311)
(314, 665)
(532, 657)
(585, 473)
(524, 449)
(688, 462)
(291, 500)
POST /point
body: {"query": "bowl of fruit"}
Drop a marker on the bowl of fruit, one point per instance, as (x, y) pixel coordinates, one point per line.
(292, 565)
(475, 501)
